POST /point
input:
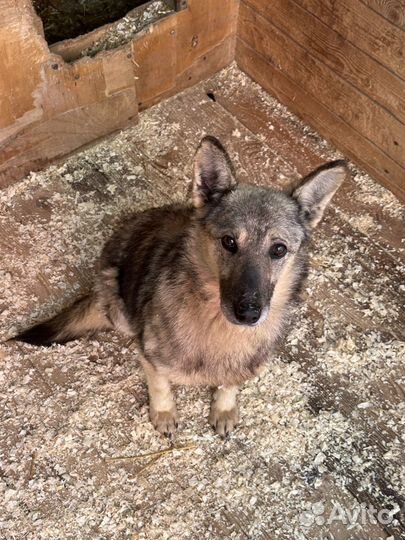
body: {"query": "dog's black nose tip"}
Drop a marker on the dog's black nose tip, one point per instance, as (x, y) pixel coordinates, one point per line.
(247, 312)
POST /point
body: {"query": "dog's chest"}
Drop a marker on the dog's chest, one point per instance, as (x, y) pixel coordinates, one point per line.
(211, 351)
(214, 368)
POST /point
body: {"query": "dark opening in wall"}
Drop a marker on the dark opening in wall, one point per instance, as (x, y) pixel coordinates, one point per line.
(64, 19)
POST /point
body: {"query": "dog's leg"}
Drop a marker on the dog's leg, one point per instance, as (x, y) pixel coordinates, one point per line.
(224, 413)
(162, 407)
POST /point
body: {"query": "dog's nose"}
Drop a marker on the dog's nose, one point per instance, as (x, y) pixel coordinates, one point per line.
(247, 312)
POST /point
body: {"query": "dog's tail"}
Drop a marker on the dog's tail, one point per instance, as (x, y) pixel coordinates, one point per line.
(82, 318)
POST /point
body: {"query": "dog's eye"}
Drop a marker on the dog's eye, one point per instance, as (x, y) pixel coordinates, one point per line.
(278, 251)
(229, 244)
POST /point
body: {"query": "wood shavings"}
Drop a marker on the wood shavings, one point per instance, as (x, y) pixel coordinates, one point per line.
(126, 28)
(327, 417)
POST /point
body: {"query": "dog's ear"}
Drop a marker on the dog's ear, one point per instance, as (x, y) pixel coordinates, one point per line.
(316, 190)
(213, 172)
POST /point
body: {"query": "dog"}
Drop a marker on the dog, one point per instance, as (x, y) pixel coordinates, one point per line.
(206, 289)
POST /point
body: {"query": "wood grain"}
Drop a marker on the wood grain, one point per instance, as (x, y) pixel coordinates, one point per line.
(339, 132)
(184, 49)
(43, 142)
(392, 10)
(20, 55)
(301, 66)
(363, 27)
(154, 56)
(312, 111)
(329, 47)
(91, 97)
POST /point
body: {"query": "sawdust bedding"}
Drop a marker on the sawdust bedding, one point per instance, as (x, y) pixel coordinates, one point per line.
(78, 456)
(128, 26)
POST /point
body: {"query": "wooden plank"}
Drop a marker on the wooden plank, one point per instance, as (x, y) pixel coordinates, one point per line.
(95, 96)
(72, 49)
(202, 27)
(86, 82)
(365, 28)
(284, 133)
(28, 52)
(155, 61)
(169, 82)
(336, 129)
(392, 10)
(207, 63)
(346, 60)
(37, 145)
(70, 104)
(182, 50)
(316, 78)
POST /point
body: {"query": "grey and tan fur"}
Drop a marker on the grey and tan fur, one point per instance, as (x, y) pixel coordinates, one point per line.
(205, 289)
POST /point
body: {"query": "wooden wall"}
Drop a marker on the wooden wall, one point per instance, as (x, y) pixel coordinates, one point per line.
(340, 65)
(53, 102)
(48, 107)
(184, 49)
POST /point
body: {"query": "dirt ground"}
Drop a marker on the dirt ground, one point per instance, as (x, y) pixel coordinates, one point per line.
(322, 433)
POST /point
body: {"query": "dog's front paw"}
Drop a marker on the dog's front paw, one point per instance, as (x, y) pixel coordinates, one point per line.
(164, 421)
(223, 421)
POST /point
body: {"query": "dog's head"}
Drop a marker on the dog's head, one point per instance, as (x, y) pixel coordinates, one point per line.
(253, 238)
